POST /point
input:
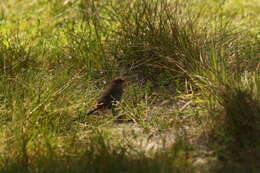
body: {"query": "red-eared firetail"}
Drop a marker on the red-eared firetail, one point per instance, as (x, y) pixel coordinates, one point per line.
(110, 96)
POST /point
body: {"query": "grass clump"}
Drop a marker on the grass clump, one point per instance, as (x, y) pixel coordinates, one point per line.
(154, 37)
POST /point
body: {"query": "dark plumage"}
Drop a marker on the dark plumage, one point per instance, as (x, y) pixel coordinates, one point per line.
(110, 96)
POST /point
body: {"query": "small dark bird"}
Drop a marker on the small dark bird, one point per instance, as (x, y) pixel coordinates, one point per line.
(110, 96)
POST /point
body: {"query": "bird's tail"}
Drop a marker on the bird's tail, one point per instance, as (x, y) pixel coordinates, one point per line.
(97, 108)
(90, 112)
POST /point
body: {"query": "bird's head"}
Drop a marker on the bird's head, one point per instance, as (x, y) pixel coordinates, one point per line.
(119, 81)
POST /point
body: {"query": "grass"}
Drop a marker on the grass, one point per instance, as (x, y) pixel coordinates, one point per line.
(192, 103)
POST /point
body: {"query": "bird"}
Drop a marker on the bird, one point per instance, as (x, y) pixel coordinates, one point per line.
(110, 96)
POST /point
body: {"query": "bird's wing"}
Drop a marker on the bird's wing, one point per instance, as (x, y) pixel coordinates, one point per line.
(105, 97)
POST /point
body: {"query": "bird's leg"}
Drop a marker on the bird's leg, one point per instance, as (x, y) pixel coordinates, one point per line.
(114, 112)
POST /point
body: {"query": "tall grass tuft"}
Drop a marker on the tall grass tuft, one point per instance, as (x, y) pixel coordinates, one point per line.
(154, 36)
